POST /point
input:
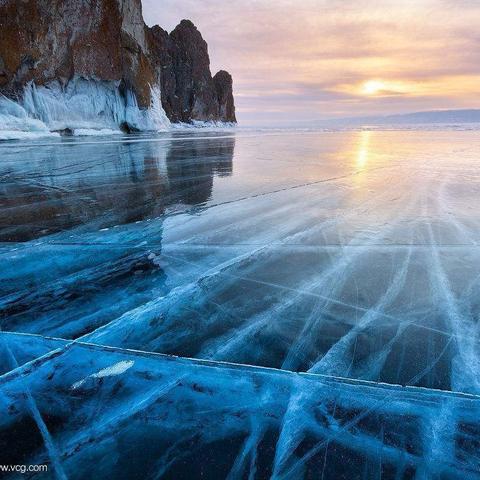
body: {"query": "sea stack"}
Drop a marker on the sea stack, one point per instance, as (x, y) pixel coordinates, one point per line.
(70, 50)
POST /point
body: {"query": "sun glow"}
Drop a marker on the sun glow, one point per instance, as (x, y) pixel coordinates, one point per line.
(391, 87)
(373, 87)
(385, 88)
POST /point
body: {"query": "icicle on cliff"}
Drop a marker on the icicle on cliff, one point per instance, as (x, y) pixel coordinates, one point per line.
(72, 64)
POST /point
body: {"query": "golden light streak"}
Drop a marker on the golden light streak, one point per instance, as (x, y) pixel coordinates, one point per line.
(363, 149)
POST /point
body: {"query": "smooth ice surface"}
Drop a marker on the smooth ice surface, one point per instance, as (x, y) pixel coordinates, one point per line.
(350, 256)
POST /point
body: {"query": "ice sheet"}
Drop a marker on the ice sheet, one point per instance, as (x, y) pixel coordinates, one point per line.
(123, 414)
(349, 256)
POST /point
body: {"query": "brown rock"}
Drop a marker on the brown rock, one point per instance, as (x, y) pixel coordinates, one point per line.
(224, 88)
(194, 85)
(162, 56)
(56, 40)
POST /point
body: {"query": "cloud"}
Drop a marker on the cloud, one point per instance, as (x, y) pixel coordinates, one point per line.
(317, 52)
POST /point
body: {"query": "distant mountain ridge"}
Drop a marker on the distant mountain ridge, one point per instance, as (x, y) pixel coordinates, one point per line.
(425, 117)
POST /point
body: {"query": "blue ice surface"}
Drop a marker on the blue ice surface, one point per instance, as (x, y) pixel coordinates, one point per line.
(115, 413)
(317, 290)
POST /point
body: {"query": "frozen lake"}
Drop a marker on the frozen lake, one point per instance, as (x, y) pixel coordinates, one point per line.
(350, 256)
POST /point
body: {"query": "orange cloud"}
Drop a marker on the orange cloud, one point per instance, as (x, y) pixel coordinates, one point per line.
(314, 58)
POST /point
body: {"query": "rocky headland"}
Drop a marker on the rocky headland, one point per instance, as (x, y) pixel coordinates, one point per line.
(97, 60)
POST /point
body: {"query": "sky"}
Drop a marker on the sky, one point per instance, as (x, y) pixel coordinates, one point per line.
(311, 60)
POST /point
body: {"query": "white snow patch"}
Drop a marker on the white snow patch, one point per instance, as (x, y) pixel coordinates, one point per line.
(86, 132)
(155, 259)
(112, 370)
(210, 125)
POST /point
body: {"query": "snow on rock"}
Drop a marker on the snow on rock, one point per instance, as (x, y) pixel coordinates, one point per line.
(95, 65)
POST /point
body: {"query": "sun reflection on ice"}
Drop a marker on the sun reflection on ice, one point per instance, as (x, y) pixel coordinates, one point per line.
(363, 149)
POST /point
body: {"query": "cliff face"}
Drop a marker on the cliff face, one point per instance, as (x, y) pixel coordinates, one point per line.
(224, 87)
(188, 90)
(48, 41)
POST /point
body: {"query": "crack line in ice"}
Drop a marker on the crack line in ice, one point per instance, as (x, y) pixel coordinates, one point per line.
(335, 435)
(37, 417)
(325, 281)
(36, 363)
(219, 270)
(334, 360)
(248, 451)
(465, 375)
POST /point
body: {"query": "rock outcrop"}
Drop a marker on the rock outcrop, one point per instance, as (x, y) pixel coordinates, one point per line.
(224, 87)
(57, 41)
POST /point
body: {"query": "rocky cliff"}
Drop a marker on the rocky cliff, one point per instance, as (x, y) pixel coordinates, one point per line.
(53, 44)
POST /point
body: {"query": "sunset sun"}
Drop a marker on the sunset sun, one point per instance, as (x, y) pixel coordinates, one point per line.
(372, 87)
